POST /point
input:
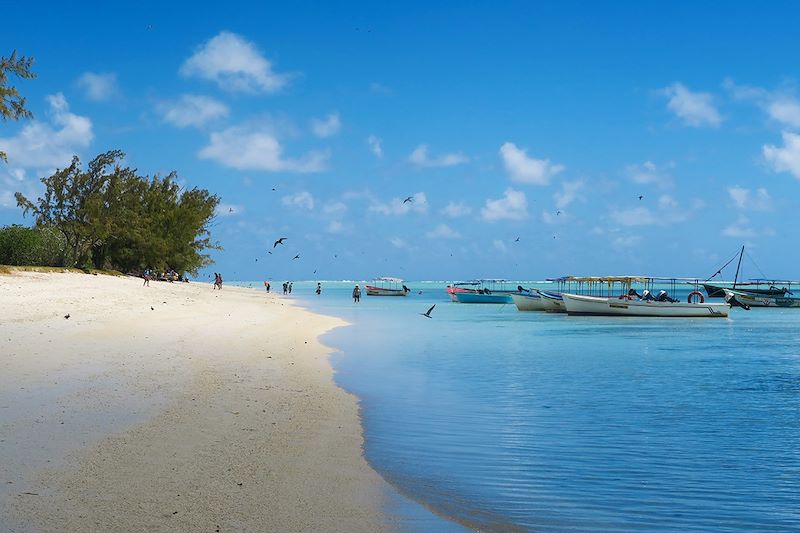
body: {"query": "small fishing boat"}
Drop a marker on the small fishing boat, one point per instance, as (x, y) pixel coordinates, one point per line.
(750, 287)
(614, 296)
(462, 286)
(760, 300)
(386, 286)
(528, 301)
(490, 291)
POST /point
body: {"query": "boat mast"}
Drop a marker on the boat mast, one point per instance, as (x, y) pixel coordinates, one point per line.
(736, 278)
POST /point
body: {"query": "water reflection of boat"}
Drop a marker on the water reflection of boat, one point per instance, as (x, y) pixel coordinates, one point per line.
(386, 286)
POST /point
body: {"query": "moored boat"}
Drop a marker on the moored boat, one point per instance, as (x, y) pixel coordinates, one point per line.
(760, 300)
(490, 291)
(552, 302)
(754, 288)
(386, 286)
(528, 301)
(577, 304)
(463, 286)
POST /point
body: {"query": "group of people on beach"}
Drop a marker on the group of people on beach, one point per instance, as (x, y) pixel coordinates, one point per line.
(217, 281)
(287, 287)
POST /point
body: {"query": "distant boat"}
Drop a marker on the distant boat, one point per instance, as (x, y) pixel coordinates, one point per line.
(528, 301)
(386, 286)
(761, 300)
(462, 286)
(490, 291)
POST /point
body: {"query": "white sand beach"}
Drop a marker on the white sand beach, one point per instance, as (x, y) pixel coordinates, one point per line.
(173, 407)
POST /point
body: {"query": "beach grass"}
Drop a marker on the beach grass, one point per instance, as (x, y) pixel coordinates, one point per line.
(7, 270)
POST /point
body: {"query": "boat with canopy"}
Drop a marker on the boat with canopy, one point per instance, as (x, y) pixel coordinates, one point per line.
(387, 286)
(489, 291)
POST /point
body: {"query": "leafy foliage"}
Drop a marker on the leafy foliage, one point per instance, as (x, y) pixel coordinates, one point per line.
(112, 218)
(41, 245)
(12, 104)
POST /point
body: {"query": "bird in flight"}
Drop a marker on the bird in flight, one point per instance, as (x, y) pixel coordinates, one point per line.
(558, 213)
(516, 240)
(279, 241)
(270, 253)
(428, 312)
(256, 259)
(296, 257)
(641, 196)
(410, 199)
(230, 210)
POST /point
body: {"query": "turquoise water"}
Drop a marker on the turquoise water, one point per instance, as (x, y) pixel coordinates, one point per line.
(528, 421)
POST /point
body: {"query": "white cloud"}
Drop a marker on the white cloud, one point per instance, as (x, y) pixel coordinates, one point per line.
(524, 169)
(648, 173)
(235, 64)
(512, 206)
(47, 146)
(499, 245)
(443, 231)
(570, 191)
(666, 201)
(375, 144)
(336, 209)
(327, 127)
(456, 209)
(787, 158)
(257, 148)
(758, 200)
(397, 242)
(335, 226)
(625, 242)
(635, 216)
(228, 210)
(98, 87)
(694, 109)
(740, 229)
(302, 200)
(421, 158)
(398, 206)
(781, 105)
(192, 110)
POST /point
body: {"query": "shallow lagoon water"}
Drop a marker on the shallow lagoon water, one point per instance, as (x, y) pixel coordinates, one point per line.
(528, 421)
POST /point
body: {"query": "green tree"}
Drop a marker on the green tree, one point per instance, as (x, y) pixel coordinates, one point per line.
(12, 104)
(110, 217)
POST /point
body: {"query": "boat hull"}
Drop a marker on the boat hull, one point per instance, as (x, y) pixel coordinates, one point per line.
(715, 291)
(755, 300)
(379, 291)
(528, 302)
(594, 306)
(480, 298)
(552, 302)
(452, 291)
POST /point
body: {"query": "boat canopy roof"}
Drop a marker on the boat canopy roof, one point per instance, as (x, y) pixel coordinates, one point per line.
(490, 280)
(463, 283)
(389, 279)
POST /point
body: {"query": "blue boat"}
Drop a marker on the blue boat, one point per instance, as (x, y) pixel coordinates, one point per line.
(490, 291)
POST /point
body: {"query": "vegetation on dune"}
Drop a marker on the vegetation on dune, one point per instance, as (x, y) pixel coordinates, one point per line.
(109, 217)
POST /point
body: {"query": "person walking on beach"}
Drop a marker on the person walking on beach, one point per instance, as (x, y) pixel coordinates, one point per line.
(356, 294)
(319, 289)
(146, 276)
(216, 281)
(290, 287)
(266, 285)
(220, 282)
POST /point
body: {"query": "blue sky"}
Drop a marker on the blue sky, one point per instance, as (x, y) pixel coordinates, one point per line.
(543, 122)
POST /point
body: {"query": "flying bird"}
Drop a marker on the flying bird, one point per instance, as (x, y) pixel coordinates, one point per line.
(256, 259)
(270, 253)
(230, 210)
(428, 312)
(409, 199)
(641, 196)
(516, 240)
(66, 316)
(558, 213)
(279, 241)
(296, 257)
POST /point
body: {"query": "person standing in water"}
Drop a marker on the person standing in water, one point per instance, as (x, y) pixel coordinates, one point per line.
(356, 294)
(285, 287)
(319, 289)
(290, 287)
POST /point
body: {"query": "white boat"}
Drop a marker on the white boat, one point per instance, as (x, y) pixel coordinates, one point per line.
(386, 286)
(577, 304)
(760, 300)
(528, 301)
(552, 302)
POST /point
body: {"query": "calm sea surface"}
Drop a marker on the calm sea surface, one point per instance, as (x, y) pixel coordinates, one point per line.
(529, 421)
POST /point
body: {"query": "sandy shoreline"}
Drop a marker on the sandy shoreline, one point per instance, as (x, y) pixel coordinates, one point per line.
(210, 411)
